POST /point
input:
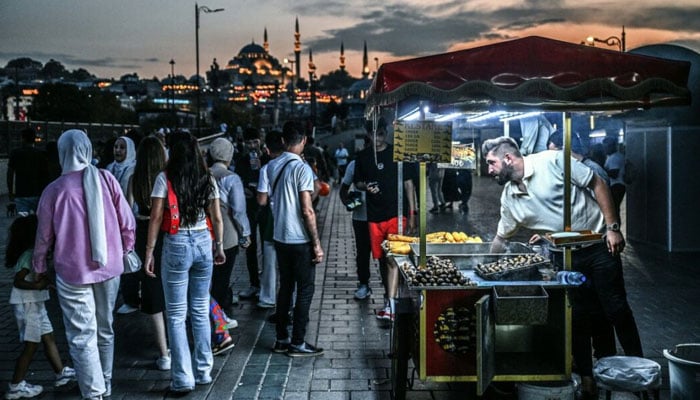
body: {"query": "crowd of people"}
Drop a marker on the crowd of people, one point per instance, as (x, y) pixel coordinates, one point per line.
(187, 214)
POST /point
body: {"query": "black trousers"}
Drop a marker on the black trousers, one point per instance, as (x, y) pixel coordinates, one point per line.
(362, 250)
(295, 268)
(604, 294)
(221, 279)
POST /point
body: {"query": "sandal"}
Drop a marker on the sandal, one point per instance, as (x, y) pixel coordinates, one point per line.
(222, 347)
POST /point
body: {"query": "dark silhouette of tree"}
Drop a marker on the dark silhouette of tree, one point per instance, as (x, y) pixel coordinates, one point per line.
(336, 80)
(23, 63)
(53, 70)
(63, 102)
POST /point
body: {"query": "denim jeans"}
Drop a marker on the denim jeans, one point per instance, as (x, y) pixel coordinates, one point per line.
(87, 316)
(296, 268)
(268, 276)
(186, 270)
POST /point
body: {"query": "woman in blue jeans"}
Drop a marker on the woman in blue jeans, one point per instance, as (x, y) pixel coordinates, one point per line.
(187, 260)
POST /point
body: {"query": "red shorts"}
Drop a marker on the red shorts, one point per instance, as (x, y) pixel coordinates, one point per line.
(378, 231)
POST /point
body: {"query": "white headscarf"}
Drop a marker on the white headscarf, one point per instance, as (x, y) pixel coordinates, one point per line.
(75, 154)
(123, 170)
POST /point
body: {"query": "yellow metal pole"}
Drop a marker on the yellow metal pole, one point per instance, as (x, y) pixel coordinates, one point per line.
(422, 219)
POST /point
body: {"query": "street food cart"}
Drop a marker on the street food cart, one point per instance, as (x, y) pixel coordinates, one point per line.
(484, 330)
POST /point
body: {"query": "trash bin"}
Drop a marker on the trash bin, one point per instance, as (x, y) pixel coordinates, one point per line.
(684, 371)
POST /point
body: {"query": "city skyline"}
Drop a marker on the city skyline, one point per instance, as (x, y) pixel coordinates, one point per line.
(111, 39)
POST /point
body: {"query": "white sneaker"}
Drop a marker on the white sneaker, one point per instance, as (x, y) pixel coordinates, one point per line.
(163, 362)
(126, 309)
(231, 323)
(66, 375)
(23, 390)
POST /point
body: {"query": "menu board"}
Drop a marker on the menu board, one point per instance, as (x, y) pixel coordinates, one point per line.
(423, 141)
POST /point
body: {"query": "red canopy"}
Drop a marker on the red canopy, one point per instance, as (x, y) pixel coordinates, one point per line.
(534, 73)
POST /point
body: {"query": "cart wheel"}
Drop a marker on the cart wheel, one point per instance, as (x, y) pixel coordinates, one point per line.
(402, 338)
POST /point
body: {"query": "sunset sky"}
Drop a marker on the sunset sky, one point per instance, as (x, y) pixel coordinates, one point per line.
(111, 38)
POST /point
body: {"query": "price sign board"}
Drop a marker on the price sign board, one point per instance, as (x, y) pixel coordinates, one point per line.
(423, 141)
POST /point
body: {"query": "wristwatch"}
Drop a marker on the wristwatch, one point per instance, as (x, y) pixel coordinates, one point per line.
(614, 227)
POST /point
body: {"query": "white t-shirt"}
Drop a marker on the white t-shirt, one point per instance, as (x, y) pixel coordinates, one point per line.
(616, 161)
(160, 190)
(296, 177)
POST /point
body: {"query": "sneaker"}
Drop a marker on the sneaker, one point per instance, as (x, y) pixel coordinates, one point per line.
(249, 293)
(223, 347)
(23, 390)
(264, 304)
(281, 346)
(230, 323)
(362, 292)
(126, 309)
(66, 375)
(163, 362)
(385, 314)
(303, 350)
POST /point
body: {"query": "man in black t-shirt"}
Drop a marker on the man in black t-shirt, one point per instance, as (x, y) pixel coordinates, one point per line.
(377, 174)
(27, 170)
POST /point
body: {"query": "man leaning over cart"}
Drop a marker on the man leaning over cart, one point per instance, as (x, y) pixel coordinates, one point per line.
(533, 198)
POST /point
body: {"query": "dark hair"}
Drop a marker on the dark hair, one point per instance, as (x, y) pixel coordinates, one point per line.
(251, 134)
(150, 160)
(21, 238)
(273, 141)
(291, 133)
(28, 135)
(189, 176)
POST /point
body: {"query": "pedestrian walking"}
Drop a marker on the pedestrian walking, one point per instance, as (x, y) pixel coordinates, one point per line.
(27, 298)
(188, 192)
(297, 242)
(86, 221)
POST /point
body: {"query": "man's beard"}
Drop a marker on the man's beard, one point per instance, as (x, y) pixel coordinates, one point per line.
(505, 175)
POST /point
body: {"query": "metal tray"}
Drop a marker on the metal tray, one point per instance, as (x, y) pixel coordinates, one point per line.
(527, 273)
(469, 249)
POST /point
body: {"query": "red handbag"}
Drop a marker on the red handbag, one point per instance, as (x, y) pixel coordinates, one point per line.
(171, 213)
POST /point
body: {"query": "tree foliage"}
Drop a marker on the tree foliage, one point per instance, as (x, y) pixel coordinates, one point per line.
(62, 102)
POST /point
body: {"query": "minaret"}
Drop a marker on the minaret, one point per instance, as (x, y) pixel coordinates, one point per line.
(297, 47)
(266, 45)
(365, 63)
(342, 57)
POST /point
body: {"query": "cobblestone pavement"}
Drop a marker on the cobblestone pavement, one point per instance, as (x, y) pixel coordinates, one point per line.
(662, 289)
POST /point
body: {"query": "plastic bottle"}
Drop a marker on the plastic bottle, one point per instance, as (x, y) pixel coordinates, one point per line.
(570, 277)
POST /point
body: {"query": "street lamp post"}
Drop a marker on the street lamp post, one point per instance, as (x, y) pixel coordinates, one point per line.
(610, 41)
(172, 90)
(197, 9)
(292, 95)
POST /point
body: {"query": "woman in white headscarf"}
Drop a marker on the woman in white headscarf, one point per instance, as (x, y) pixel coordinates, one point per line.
(124, 161)
(87, 256)
(123, 168)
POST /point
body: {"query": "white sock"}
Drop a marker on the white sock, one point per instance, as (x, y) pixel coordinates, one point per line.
(392, 305)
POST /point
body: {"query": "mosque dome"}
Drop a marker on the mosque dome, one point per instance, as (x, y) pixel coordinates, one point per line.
(252, 49)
